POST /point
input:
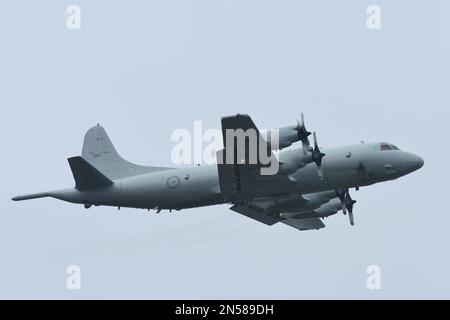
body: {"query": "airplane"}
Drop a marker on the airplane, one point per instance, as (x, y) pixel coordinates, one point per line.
(311, 183)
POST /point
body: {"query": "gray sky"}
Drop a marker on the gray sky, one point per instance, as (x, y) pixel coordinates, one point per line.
(145, 68)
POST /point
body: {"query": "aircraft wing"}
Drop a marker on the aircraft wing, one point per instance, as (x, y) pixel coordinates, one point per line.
(243, 178)
(256, 213)
(305, 222)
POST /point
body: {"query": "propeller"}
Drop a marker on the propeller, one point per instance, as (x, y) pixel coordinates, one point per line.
(317, 157)
(303, 134)
(349, 202)
(340, 193)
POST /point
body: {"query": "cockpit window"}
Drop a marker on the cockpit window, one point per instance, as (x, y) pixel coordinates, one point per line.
(386, 146)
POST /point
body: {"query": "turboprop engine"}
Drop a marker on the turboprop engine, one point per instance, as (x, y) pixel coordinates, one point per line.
(288, 135)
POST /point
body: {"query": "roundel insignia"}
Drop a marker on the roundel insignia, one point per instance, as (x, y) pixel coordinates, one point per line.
(173, 182)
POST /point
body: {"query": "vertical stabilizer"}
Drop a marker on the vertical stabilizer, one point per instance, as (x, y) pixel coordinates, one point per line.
(100, 153)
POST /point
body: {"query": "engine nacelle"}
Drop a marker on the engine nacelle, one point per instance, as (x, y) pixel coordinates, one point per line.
(286, 135)
(323, 204)
(329, 208)
(295, 204)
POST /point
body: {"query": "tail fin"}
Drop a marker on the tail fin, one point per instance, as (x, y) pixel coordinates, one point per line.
(100, 153)
(86, 176)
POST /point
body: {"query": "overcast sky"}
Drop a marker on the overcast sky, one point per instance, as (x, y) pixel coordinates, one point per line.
(145, 68)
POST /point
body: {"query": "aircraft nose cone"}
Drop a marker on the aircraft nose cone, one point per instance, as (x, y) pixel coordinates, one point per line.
(420, 162)
(414, 163)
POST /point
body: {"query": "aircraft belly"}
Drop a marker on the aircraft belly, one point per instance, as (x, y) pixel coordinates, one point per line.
(109, 196)
(188, 195)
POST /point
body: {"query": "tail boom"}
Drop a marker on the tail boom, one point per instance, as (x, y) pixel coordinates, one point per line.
(69, 195)
(31, 196)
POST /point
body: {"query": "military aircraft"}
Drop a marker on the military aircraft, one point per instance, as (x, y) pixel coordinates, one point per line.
(310, 183)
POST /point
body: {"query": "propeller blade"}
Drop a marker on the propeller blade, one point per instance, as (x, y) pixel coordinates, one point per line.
(350, 216)
(349, 203)
(303, 133)
(316, 146)
(341, 195)
(344, 209)
(301, 121)
(320, 172)
(317, 156)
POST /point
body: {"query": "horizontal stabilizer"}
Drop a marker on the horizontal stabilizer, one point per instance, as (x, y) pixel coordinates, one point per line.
(86, 176)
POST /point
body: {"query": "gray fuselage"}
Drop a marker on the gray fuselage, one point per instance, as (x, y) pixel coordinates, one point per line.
(343, 167)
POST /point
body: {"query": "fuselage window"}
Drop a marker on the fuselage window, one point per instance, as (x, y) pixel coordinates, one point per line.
(385, 147)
